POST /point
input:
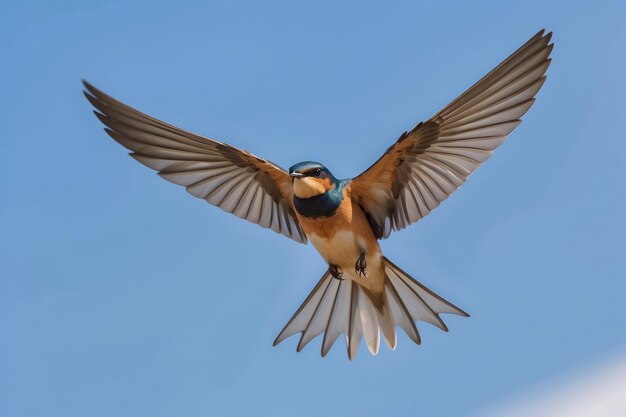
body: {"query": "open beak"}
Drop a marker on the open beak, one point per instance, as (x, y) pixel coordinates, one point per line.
(296, 174)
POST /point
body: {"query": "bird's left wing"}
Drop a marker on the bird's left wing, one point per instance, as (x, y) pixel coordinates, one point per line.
(232, 179)
(430, 162)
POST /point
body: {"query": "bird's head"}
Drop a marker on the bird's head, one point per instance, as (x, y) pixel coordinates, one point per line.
(311, 179)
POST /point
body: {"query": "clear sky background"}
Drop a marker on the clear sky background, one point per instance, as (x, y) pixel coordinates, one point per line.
(122, 295)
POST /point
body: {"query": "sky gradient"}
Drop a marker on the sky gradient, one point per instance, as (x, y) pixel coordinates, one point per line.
(122, 295)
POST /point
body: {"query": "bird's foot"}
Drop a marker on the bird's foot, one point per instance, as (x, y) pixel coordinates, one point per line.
(361, 266)
(335, 272)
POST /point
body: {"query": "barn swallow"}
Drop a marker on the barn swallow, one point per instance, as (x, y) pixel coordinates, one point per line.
(362, 293)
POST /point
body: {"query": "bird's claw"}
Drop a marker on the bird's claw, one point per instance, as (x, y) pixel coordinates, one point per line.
(335, 272)
(361, 266)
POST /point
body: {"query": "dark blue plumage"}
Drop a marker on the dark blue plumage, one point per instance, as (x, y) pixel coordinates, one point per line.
(323, 205)
(307, 166)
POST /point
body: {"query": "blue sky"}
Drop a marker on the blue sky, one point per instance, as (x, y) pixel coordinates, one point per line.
(122, 295)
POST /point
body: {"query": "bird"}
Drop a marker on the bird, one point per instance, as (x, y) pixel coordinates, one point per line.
(362, 294)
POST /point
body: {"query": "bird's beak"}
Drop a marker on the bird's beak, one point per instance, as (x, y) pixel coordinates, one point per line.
(296, 174)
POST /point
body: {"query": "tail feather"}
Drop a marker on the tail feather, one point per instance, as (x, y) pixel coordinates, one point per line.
(321, 316)
(300, 320)
(335, 307)
(401, 314)
(339, 320)
(355, 328)
(369, 320)
(412, 300)
(423, 304)
(387, 322)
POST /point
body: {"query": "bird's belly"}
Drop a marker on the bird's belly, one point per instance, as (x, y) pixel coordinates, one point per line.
(342, 248)
(342, 238)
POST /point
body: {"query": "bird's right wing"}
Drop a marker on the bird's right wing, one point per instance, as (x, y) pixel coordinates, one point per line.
(232, 179)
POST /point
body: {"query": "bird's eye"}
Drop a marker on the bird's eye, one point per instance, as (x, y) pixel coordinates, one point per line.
(317, 172)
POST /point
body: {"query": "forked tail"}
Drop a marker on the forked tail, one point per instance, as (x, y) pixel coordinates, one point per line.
(335, 307)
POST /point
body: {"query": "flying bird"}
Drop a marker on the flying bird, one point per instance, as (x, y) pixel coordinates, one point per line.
(362, 293)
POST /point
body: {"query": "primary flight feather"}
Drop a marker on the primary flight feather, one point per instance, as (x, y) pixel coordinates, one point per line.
(362, 294)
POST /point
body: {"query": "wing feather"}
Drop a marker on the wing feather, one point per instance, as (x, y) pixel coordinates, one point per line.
(427, 164)
(234, 180)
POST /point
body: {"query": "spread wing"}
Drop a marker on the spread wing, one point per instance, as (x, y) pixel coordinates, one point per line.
(431, 161)
(234, 180)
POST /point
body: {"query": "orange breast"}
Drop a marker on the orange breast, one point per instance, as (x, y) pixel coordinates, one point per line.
(349, 217)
